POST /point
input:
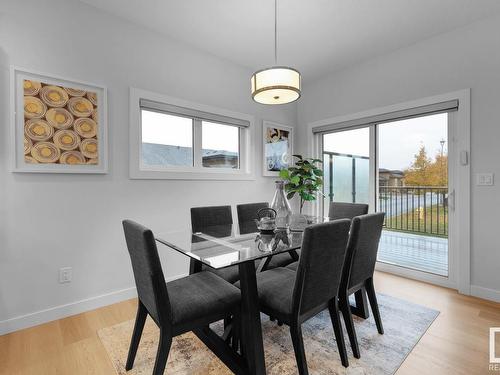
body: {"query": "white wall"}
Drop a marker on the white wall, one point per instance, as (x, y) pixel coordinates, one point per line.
(50, 221)
(465, 58)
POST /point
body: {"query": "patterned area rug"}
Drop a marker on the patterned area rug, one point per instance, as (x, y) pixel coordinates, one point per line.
(404, 324)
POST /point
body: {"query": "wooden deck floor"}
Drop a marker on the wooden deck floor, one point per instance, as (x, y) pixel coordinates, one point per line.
(416, 251)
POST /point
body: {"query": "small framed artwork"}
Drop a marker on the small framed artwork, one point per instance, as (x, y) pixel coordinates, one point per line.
(58, 125)
(277, 147)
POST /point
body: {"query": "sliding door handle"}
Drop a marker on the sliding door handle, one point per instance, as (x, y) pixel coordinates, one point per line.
(451, 200)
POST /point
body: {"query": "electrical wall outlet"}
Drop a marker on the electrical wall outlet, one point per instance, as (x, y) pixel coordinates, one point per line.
(485, 179)
(65, 275)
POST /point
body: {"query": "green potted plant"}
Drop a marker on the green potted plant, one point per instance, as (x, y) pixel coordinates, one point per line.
(305, 178)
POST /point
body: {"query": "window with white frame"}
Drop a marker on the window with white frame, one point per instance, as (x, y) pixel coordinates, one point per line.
(167, 140)
(182, 140)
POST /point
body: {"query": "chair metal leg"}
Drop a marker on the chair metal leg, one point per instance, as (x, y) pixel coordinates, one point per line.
(333, 307)
(298, 347)
(162, 354)
(372, 297)
(140, 319)
(349, 325)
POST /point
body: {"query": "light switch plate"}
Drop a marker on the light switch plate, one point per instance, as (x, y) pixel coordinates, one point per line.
(485, 179)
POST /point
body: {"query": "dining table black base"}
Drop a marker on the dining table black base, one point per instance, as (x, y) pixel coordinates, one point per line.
(251, 335)
(361, 307)
(249, 359)
(232, 359)
(264, 263)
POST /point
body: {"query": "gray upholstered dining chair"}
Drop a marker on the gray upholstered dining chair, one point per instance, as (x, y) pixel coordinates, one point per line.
(222, 218)
(202, 217)
(183, 305)
(340, 210)
(358, 270)
(294, 297)
(247, 213)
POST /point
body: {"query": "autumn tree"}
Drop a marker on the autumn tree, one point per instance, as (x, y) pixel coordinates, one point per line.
(418, 173)
(438, 171)
(427, 172)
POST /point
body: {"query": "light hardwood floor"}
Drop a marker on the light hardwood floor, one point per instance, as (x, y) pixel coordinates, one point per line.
(456, 343)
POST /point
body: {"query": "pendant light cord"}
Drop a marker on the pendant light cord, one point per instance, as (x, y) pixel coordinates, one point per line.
(275, 32)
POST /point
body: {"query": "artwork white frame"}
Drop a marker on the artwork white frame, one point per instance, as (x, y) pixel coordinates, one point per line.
(270, 124)
(17, 75)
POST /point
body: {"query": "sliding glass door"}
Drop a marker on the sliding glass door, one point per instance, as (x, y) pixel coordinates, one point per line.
(398, 167)
(346, 163)
(413, 192)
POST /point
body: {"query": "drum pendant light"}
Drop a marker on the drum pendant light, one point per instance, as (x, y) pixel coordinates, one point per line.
(277, 84)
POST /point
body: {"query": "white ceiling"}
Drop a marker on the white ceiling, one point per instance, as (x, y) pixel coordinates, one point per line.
(314, 36)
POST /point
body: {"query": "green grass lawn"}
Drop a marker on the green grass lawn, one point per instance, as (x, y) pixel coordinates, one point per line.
(434, 222)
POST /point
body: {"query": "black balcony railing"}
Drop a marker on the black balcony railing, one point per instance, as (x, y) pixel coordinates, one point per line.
(419, 209)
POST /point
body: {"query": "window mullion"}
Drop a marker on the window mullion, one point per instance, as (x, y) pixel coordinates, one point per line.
(243, 152)
(197, 143)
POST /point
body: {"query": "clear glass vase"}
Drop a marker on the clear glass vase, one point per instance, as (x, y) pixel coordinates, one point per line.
(282, 206)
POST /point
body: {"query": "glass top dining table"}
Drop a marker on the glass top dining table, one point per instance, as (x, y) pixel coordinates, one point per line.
(239, 245)
(222, 246)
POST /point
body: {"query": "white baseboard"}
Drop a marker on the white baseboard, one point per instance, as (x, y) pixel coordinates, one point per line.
(416, 275)
(62, 311)
(485, 293)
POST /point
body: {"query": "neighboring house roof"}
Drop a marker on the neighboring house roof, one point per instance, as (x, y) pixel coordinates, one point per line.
(391, 173)
(218, 154)
(397, 173)
(158, 154)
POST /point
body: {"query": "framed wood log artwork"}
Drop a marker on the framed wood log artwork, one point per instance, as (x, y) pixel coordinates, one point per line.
(58, 125)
